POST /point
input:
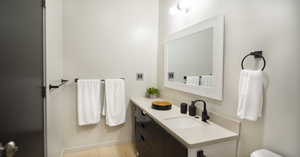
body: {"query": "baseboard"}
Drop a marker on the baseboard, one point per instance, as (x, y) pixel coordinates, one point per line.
(62, 153)
(89, 146)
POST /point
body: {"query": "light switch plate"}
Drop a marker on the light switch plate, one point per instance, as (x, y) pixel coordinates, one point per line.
(139, 76)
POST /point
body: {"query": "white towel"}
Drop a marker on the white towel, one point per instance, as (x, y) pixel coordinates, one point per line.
(206, 80)
(115, 107)
(88, 106)
(193, 80)
(251, 89)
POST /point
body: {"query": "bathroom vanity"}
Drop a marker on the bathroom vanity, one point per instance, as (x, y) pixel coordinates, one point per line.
(172, 134)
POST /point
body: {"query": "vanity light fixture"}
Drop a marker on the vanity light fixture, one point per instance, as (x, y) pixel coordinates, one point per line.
(182, 6)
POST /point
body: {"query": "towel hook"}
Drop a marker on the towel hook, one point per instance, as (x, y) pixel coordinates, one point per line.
(256, 54)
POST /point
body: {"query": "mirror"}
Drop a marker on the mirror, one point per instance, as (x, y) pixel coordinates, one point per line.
(190, 58)
(194, 59)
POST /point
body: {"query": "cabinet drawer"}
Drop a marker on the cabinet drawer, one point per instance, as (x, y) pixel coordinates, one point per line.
(143, 147)
(140, 115)
(143, 121)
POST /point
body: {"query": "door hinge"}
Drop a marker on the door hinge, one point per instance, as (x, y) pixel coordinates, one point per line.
(43, 3)
(44, 91)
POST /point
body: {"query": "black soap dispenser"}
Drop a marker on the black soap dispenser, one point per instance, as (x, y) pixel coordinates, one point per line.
(192, 109)
(183, 108)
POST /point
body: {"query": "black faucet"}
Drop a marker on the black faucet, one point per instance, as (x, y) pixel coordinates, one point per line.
(204, 116)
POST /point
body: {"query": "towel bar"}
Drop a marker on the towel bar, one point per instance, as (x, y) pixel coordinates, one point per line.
(76, 80)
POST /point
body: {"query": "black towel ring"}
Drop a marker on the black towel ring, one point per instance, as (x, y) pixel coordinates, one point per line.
(256, 54)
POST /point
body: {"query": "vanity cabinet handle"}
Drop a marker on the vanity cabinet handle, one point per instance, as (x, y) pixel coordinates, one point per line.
(143, 125)
(143, 113)
(142, 138)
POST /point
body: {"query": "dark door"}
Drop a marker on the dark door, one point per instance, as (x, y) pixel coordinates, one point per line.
(21, 76)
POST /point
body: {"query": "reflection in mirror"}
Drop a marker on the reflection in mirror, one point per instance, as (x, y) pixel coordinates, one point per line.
(190, 59)
(193, 58)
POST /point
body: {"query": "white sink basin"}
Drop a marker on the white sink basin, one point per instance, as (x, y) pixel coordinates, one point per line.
(182, 122)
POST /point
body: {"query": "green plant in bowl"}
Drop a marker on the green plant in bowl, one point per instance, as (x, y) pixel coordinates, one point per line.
(152, 92)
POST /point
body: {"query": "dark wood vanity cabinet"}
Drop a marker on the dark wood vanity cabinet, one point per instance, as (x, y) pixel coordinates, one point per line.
(152, 140)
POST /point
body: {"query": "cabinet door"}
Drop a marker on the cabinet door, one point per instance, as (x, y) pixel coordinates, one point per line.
(224, 149)
(173, 148)
(163, 144)
(142, 147)
(157, 140)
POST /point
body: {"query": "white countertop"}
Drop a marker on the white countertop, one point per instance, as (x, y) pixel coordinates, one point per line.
(201, 135)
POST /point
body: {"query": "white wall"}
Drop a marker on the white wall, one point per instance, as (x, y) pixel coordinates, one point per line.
(282, 111)
(107, 39)
(269, 25)
(54, 48)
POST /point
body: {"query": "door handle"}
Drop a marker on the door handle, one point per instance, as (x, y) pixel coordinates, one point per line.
(1, 150)
(9, 149)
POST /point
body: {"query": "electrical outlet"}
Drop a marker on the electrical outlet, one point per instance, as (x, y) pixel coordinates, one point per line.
(139, 76)
(171, 75)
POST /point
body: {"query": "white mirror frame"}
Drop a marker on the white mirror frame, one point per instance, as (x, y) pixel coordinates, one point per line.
(215, 92)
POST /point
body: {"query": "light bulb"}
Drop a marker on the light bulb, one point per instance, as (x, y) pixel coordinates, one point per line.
(174, 11)
(184, 5)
